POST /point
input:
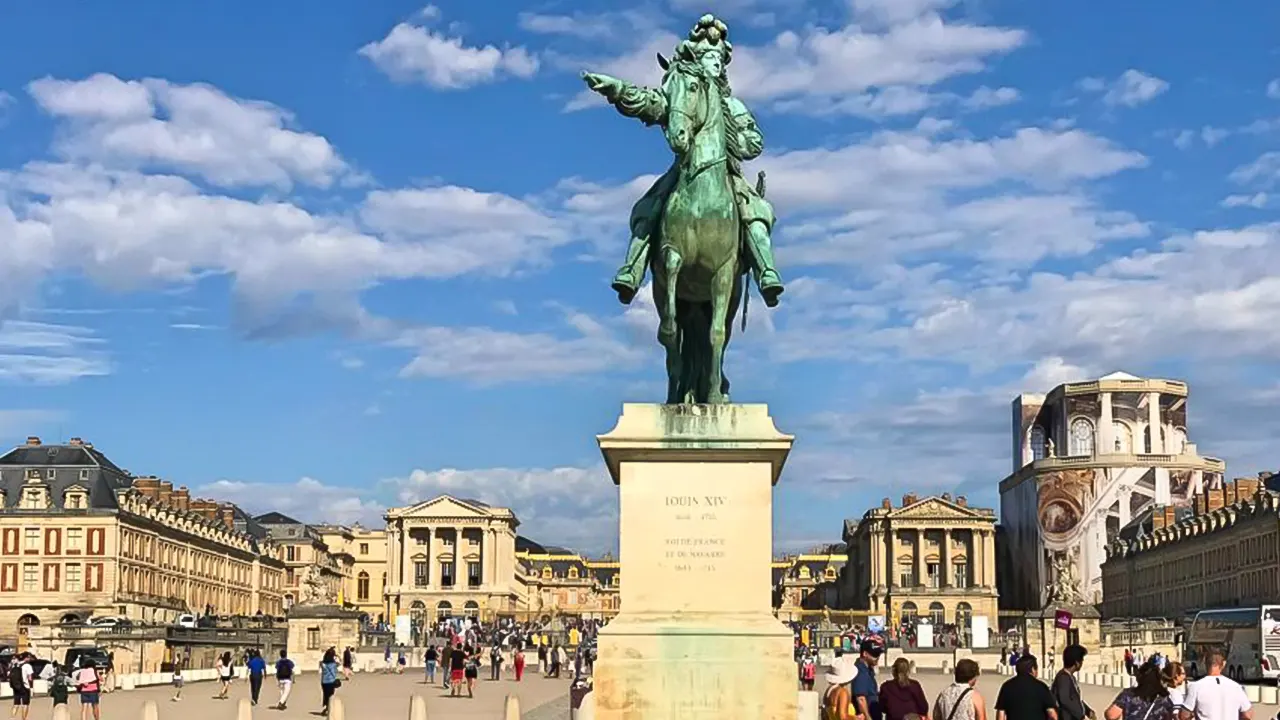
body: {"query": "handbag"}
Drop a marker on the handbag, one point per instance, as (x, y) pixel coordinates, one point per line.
(951, 715)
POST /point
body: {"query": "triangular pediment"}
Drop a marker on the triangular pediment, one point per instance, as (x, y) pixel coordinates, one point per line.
(445, 506)
(933, 507)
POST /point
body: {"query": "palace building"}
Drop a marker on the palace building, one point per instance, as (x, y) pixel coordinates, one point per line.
(304, 552)
(1221, 550)
(79, 537)
(929, 557)
(1088, 458)
(361, 556)
(808, 581)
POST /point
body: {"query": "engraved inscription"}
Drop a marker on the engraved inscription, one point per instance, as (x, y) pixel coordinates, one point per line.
(700, 552)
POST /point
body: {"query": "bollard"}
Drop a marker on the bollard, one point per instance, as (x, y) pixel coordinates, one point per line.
(417, 708)
(1269, 695)
(336, 710)
(244, 709)
(1253, 693)
(60, 712)
(511, 710)
(149, 710)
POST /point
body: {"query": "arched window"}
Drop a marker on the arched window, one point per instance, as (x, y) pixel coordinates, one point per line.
(1081, 440)
(1123, 437)
(909, 610)
(444, 609)
(362, 586)
(964, 615)
(1038, 445)
(937, 615)
(1179, 443)
(471, 609)
(27, 621)
(1146, 441)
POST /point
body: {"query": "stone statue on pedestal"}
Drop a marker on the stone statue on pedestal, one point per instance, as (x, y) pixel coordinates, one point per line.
(1064, 587)
(314, 589)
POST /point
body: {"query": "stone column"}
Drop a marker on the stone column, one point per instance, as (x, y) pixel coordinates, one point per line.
(874, 576)
(989, 557)
(1153, 423)
(1106, 436)
(944, 561)
(1125, 500)
(431, 576)
(457, 555)
(921, 577)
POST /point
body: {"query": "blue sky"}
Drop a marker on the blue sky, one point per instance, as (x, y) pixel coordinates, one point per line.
(328, 257)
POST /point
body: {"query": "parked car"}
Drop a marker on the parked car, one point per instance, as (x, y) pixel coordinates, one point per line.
(186, 620)
(78, 656)
(109, 621)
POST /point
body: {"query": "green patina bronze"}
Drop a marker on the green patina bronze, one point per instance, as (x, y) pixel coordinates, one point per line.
(692, 225)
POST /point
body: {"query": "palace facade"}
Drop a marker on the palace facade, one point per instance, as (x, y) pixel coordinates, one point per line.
(81, 537)
(1222, 550)
(808, 581)
(929, 557)
(361, 556)
(1088, 458)
(304, 551)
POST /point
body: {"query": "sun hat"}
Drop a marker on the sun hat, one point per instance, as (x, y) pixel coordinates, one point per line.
(843, 670)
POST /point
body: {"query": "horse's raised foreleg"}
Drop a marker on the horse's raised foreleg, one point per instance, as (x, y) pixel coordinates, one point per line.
(668, 328)
(721, 295)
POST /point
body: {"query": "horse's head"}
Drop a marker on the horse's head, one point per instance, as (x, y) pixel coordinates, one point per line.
(691, 78)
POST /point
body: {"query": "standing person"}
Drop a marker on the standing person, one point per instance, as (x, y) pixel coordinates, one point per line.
(109, 674)
(542, 658)
(347, 662)
(177, 682)
(518, 662)
(837, 703)
(433, 657)
(89, 683)
(329, 681)
(257, 671)
(457, 669)
(866, 693)
(495, 662)
(386, 659)
(1066, 689)
(21, 679)
(1148, 700)
(808, 672)
(900, 695)
(1023, 696)
(224, 675)
(59, 688)
(284, 678)
(961, 700)
(1128, 661)
(1214, 696)
(1175, 679)
(472, 671)
(401, 660)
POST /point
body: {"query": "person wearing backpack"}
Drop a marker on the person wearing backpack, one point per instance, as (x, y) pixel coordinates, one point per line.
(284, 677)
(21, 677)
(59, 687)
(89, 683)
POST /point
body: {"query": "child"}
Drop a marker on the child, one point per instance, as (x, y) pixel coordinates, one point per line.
(177, 683)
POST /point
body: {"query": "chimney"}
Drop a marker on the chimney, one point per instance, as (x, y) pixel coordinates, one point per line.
(1216, 498)
(148, 486)
(1170, 516)
(1247, 488)
(206, 509)
(33, 440)
(165, 493)
(75, 442)
(962, 501)
(89, 445)
(886, 504)
(909, 499)
(182, 499)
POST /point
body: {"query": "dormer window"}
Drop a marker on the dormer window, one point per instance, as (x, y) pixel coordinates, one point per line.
(84, 474)
(33, 476)
(35, 498)
(75, 498)
(546, 573)
(804, 573)
(573, 573)
(51, 475)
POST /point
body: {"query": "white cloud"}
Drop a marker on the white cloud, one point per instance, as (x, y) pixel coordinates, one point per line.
(417, 53)
(834, 67)
(572, 506)
(47, 354)
(6, 99)
(1184, 139)
(1257, 200)
(1131, 89)
(1263, 171)
(1273, 89)
(308, 500)
(193, 129)
(985, 97)
(891, 12)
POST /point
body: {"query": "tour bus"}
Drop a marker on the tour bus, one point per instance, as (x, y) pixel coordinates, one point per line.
(1250, 636)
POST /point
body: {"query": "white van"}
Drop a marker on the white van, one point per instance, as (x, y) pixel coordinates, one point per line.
(186, 620)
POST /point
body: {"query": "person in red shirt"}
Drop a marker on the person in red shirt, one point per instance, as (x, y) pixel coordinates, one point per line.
(901, 696)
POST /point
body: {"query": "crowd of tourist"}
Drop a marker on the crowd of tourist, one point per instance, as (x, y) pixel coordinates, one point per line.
(1160, 692)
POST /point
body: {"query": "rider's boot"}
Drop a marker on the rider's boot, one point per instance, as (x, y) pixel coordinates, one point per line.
(627, 281)
(767, 278)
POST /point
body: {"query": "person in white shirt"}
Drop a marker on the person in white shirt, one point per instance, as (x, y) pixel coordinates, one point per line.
(1215, 697)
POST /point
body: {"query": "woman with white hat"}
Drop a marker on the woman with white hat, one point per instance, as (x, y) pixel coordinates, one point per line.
(838, 703)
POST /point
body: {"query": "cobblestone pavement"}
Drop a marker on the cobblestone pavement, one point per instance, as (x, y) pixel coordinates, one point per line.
(365, 696)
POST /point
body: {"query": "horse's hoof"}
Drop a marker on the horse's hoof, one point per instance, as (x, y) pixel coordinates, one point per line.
(770, 295)
(626, 293)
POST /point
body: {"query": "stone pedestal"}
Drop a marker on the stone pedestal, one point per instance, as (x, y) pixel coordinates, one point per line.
(1046, 640)
(316, 628)
(696, 636)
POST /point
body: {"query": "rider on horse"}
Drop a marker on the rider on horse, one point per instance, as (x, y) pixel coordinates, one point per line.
(709, 48)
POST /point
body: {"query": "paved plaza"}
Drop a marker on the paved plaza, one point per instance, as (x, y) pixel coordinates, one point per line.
(366, 696)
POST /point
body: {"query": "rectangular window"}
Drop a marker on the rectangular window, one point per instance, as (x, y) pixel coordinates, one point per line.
(961, 575)
(93, 577)
(313, 638)
(421, 574)
(11, 538)
(473, 574)
(51, 573)
(97, 544)
(31, 540)
(73, 578)
(931, 569)
(290, 554)
(30, 577)
(9, 577)
(907, 578)
(288, 576)
(446, 575)
(364, 548)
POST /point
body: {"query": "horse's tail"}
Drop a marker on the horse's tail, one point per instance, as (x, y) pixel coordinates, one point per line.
(746, 302)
